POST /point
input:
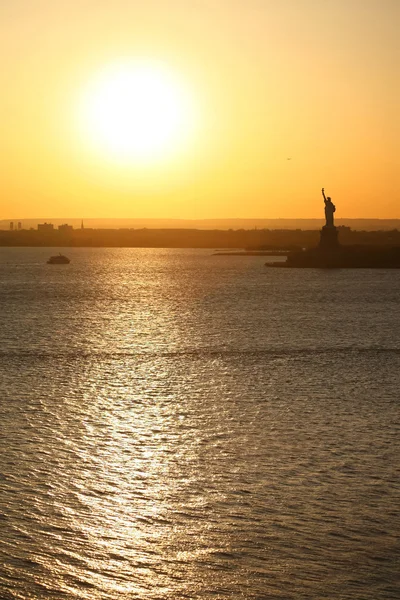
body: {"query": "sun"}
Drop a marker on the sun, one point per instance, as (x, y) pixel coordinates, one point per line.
(136, 110)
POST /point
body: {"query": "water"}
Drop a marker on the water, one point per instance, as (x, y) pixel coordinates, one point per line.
(177, 425)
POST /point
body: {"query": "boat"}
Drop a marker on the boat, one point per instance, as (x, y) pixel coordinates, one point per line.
(59, 259)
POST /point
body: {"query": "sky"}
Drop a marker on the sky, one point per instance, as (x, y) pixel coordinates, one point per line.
(280, 98)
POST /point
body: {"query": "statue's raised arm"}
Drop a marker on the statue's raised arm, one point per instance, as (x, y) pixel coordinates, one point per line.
(323, 193)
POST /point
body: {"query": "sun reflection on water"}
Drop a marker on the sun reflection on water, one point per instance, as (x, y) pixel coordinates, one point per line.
(160, 438)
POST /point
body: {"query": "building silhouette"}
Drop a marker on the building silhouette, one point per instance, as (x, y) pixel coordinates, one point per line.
(65, 228)
(45, 227)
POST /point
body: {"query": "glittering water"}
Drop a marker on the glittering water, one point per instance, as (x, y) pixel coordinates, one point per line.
(178, 425)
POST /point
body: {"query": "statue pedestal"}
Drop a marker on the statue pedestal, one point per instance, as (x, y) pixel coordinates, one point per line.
(329, 238)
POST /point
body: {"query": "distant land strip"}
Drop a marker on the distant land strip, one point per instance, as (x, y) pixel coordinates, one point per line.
(250, 240)
(221, 224)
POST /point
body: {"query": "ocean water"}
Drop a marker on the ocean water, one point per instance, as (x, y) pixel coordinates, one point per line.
(176, 425)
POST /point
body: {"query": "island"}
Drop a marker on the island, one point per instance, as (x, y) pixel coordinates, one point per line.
(330, 254)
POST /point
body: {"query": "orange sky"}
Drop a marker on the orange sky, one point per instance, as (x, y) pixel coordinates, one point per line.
(316, 81)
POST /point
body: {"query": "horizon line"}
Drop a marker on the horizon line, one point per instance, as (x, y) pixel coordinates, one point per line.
(8, 219)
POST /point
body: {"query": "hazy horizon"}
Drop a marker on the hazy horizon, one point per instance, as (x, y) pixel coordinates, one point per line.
(222, 223)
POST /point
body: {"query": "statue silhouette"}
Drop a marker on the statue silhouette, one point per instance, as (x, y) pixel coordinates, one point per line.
(329, 210)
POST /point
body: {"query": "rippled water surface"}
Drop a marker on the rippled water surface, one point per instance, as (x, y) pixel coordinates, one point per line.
(179, 425)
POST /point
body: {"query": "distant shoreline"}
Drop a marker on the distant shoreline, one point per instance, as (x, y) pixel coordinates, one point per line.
(245, 240)
(204, 224)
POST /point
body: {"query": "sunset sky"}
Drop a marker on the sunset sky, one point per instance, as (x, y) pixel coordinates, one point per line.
(192, 108)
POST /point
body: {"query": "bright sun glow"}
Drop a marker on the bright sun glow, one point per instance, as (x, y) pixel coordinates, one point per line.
(136, 110)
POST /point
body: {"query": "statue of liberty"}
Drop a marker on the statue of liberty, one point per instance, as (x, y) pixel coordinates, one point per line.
(329, 210)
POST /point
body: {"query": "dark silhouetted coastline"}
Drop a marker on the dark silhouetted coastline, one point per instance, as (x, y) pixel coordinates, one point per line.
(249, 239)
